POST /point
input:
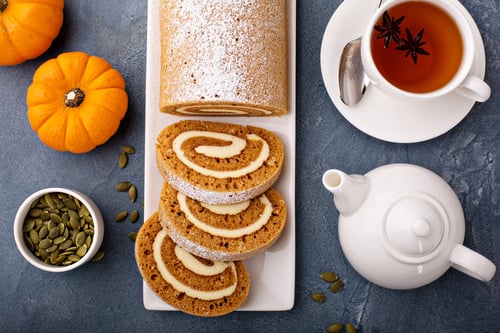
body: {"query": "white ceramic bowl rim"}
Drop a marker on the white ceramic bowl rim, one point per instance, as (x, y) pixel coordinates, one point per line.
(21, 216)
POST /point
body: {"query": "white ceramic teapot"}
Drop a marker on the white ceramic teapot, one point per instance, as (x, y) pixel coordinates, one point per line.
(401, 226)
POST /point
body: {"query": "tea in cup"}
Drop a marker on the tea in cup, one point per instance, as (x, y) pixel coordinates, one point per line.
(421, 49)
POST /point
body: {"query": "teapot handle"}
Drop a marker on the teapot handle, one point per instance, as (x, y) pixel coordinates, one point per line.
(472, 263)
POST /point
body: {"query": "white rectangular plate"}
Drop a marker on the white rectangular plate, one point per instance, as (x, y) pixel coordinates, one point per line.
(272, 273)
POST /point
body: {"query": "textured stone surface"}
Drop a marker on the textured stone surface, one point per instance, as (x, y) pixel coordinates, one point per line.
(107, 296)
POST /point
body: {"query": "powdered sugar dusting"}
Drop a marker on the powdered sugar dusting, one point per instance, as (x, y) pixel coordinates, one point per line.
(222, 51)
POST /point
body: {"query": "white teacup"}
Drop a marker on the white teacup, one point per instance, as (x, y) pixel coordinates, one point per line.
(445, 67)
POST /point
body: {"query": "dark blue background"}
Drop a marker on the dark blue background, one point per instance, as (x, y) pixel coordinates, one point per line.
(107, 296)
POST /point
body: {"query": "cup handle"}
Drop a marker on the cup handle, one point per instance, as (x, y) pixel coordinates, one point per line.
(472, 263)
(474, 88)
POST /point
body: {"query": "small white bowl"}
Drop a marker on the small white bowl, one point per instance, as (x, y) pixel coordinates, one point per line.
(37, 262)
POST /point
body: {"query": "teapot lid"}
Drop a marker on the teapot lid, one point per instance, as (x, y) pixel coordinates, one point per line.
(414, 226)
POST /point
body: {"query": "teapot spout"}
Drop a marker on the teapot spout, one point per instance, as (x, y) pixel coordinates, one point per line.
(349, 191)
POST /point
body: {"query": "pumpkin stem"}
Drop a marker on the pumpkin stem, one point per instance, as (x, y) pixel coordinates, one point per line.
(3, 5)
(74, 97)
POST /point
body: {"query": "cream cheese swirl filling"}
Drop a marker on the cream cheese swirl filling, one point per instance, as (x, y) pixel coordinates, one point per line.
(230, 210)
(235, 148)
(191, 263)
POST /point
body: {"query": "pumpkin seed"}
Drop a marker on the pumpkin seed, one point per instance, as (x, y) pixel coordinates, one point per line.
(28, 225)
(73, 257)
(52, 248)
(70, 204)
(34, 237)
(134, 216)
(128, 149)
(84, 211)
(53, 233)
(123, 186)
(30, 244)
(82, 250)
(132, 235)
(45, 243)
(49, 201)
(121, 216)
(59, 240)
(35, 212)
(122, 160)
(349, 328)
(74, 223)
(336, 286)
(329, 276)
(73, 214)
(132, 193)
(65, 244)
(51, 225)
(335, 328)
(98, 256)
(318, 297)
(80, 238)
(45, 215)
(55, 218)
(59, 260)
(58, 229)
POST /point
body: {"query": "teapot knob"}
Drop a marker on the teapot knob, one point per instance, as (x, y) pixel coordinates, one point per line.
(421, 228)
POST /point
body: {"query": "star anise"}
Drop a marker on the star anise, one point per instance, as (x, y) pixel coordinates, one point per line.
(390, 29)
(412, 45)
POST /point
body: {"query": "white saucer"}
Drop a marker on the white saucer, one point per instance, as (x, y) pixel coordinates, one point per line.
(381, 116)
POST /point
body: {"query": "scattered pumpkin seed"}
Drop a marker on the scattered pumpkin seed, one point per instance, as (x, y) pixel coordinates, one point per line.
(335, 328)
(128, 149)
(123, 186)
(98, 256)
(329, 276)
(318, 297)
(58, 229)
(336, 286)
(134, 216)
(349, 328)
(132, 193)
(121, 216)
(132, 235)
(122, 160)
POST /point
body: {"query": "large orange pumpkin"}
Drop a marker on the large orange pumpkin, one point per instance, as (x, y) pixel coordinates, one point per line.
(27, 28)
(76, 102)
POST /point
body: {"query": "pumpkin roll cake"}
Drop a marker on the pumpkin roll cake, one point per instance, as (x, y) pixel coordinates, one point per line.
(191, 284)
(222, 57)
(223, 232)
(219, 163)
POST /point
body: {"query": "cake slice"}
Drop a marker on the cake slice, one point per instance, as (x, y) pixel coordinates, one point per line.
(191, 284)
(223, 232)
(219, 163)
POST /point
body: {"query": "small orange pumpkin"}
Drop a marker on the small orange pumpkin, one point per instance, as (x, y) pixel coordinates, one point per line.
(76, 102)
(27, 28)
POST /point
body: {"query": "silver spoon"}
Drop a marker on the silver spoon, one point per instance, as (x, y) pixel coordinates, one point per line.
(351, 74)
(352, 78)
